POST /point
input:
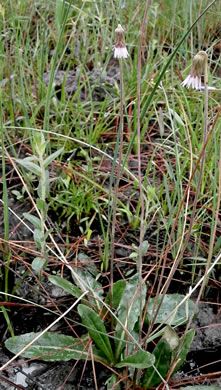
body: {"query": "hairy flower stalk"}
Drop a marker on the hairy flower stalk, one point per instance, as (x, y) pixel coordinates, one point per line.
(142, 204)
(200, 61)
(120, 52)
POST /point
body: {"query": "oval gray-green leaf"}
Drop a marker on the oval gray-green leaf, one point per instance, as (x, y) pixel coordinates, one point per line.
(162, 353)
(66, 285)
(111, 383)
(141, 359)
(167, 313)
(32, 167)
(96, 330)
(38, 264)
(36, 222)
(52, 157)
(118, 289)
(51, 346)
(38, 237)
(171, 337)
(183, 348)
(128, 313)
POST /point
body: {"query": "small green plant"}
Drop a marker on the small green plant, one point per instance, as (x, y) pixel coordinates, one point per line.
(74, 200)
(38, 165)
(121, 347)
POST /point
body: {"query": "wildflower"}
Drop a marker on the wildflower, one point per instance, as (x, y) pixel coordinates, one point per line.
(120, 50)
(193, 81)
(194, 77)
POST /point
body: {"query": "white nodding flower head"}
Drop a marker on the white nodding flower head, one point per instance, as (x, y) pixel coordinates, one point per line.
(192, 81)
(194, 77)
(120, 50)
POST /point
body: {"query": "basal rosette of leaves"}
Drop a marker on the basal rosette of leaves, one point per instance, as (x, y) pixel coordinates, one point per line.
(120, 348)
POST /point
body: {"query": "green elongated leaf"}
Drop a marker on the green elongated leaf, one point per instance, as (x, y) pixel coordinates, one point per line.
(183, 348)
(171, 337)
(128, 313)
(162, 353)
(40, 144)
(118, 289)
(199, 387)
(181, 316)
(135, 334)
(177, 117)
(30, 158)
(43, 186)
(38, 237)
(46, 234)
(52, 157)
(91, 283)
(51, 347)
(42, 205)
(38, 264)
(140, 360)
(32, 167)
(111, 383)
(88, 273)
(66, 285)
(34, 220)
(96, 330)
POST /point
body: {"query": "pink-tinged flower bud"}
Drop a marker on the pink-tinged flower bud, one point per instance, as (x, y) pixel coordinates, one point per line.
(120, 50)
(194, 77)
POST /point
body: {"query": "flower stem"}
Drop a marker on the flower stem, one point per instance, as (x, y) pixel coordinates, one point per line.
(142, 206)
(205, 99)
(188, 234)
(115, 196)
